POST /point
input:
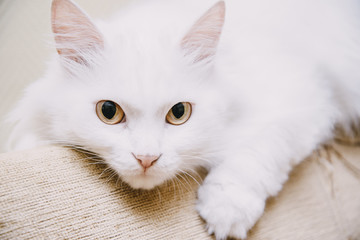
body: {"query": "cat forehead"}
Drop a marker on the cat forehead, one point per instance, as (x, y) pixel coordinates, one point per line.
(138, 75)
(146, 34)
(139, 55)
(144, 76)
(143, 92)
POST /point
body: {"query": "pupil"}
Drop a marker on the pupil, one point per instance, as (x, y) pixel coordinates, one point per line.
(108, 109)
(178, 110)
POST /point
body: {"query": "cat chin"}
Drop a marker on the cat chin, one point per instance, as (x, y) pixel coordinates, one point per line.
(143, 181)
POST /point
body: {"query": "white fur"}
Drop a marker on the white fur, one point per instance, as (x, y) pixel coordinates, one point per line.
(285, 73)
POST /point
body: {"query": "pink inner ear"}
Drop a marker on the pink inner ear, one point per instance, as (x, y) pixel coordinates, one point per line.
(74, 31)
(204, 35)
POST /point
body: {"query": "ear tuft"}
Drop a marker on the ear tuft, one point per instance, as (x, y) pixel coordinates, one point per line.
(202, 39)
(75, 34)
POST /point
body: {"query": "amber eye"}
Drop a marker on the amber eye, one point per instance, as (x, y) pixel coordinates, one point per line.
(179, 113)
(109, 112)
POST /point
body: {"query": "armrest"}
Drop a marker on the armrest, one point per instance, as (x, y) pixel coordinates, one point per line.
(53, 192)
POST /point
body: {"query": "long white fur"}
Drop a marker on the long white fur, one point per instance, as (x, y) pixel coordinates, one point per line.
(285, 74)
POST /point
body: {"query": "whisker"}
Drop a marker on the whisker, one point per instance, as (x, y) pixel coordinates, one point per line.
(104, 171)
(192, 177)
(186, 181)
(179, 188)
(113, 174)
(159, 193)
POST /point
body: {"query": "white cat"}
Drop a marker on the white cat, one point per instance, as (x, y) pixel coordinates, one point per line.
(157, 90)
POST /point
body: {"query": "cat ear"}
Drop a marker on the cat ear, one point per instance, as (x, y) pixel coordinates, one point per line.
(202, 39)
(75, 34)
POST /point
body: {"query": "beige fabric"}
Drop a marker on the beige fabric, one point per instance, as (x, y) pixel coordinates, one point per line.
(56, 193)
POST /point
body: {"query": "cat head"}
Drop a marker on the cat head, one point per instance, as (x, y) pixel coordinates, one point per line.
(150, 109)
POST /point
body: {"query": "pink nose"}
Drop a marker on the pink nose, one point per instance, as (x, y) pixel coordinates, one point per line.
(146, 161)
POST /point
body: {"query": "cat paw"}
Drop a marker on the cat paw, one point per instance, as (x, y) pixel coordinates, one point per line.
(228, 210)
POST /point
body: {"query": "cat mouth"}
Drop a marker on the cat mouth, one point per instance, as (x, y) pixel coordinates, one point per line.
(143, 181)
(139, 177)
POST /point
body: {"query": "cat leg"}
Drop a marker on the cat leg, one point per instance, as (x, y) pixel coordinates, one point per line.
(232, 197)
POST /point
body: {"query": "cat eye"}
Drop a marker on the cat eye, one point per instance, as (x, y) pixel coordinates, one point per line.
(109, 112)
(179, 113)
